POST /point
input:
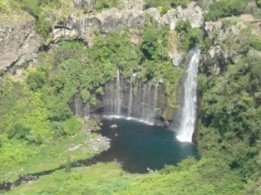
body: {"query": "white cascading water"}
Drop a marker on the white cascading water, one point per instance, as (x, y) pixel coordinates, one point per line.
(119, 100)
(156, 96)
(77, 106)
(188, 113)
(130, 101)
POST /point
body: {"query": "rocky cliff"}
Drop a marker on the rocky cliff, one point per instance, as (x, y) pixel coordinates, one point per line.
(19, 42)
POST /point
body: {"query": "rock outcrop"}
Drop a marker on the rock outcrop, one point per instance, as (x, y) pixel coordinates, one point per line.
(80, 4)
(192, 13)
(221, 52)
(132, 16)
(19, 43)
(111, 20)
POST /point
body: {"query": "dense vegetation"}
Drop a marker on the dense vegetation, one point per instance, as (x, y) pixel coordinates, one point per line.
(165, 5)
(225, 8)
(35, 109)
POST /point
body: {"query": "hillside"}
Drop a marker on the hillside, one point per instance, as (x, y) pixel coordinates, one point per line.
(63, 62)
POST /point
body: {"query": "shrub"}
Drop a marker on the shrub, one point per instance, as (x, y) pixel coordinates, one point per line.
(43, 26)
(18, 131)
(103, 4)
(165, 5)
(189, 37)
(85, 95)
(36, 80)
(255, 42)
(224, 8)
(183, 26)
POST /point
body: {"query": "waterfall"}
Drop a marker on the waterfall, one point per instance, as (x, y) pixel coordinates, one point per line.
(118, 99)
(149, 104)
(188, 112)
(129, 98)
(86, 111)
(156, 96)
(130, 101)
(77, 106)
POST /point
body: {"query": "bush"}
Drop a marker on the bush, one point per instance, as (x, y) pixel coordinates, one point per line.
(224, 8)
(18, 131)
(2, 7)
(68, 127)
(36, 80)
(85, 95)
(183, 26)
(165, 5)
(44, 26)
(153, 47)
(255, 42)
(189, 37)
(37, 10)
(258, 2)
(104, 4)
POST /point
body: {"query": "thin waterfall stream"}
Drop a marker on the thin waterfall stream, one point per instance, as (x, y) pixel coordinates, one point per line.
(189, 103)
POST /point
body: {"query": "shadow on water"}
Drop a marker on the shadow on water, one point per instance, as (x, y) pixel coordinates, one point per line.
(135, 146)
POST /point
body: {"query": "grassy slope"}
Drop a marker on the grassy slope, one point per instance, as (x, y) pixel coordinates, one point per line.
(50, 156)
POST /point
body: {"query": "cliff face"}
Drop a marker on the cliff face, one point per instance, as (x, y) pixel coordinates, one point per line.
(114, 19)
(19, 42)
(131, 16)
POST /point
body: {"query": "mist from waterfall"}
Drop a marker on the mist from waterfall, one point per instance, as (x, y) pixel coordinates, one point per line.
(189, 103)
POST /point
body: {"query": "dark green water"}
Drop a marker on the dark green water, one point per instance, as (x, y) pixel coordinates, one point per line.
(137, 146)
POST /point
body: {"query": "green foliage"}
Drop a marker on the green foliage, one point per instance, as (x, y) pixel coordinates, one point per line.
(97, 179)
(2, 6)
(72, 126)
(189, 177)
(15, 152)
(38, 10)
(103, 4)
(44, 26)
(153, 47)
(235, 119)
(18, 131)
(189, 37)
(165, 5)
(224, 8)
(258, 2)
(36, 80)
(183, 26)
(85, 95)
(115, 51)
(255, 42)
